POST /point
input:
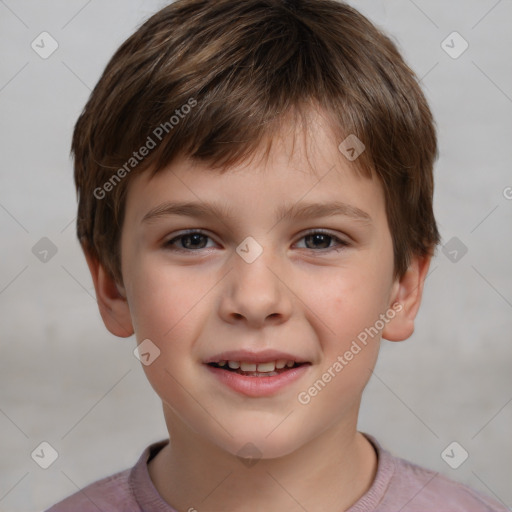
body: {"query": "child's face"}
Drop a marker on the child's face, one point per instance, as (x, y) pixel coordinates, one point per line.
(308, 296)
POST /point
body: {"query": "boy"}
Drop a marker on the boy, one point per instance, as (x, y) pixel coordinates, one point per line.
(260, 127)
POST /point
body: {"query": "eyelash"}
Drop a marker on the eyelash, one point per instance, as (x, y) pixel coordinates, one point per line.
(168, 244)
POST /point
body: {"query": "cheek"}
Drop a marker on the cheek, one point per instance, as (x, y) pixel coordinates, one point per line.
(346, 308)
(349, 301)
(350, 341)
(166, 305)
(164, 299)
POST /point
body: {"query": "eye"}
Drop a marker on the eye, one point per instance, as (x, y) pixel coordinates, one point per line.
(321, 239)
(196, 239)
(191, 240)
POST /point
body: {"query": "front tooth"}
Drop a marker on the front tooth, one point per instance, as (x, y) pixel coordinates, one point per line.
(280, 363)
(267, 367)
(234, 365)
(289, 364)
(247, 367)
(222, 363)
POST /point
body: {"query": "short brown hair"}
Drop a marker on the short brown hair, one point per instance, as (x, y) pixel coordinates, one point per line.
(218, 77)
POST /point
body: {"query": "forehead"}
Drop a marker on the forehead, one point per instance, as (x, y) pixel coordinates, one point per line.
(303, 165)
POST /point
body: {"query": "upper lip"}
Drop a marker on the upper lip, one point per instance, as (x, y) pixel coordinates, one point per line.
(248, 356)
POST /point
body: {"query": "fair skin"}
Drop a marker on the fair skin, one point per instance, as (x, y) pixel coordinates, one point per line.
(307, 295)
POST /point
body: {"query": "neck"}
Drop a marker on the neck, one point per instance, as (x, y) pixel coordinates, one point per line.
(331, 472)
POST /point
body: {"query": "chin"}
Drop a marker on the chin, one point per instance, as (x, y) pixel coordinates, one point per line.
(254, 441)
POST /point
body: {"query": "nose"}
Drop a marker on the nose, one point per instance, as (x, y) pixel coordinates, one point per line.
(256, 293)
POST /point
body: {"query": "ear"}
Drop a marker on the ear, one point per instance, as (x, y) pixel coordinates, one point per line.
(111, 299)
(407, 293)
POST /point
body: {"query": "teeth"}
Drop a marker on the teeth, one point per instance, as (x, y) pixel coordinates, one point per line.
(248, 367)
(268, 367)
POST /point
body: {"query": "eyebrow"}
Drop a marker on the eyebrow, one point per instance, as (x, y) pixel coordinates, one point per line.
(285, 212)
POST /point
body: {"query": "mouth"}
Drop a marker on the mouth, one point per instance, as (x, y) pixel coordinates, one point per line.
(263, 369)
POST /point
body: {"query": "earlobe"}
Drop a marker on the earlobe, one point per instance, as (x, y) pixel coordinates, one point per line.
(111, 298)
(407, 293)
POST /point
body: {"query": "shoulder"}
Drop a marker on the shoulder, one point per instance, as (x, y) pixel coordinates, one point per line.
(108, 495)
(419, 489)
(118, 492)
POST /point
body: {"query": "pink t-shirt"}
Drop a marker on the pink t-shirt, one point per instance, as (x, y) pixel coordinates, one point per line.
(399, 485)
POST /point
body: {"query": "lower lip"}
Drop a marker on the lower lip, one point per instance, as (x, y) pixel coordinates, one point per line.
(258, 386)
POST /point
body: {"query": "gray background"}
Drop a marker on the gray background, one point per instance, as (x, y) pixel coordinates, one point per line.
(66, 380)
